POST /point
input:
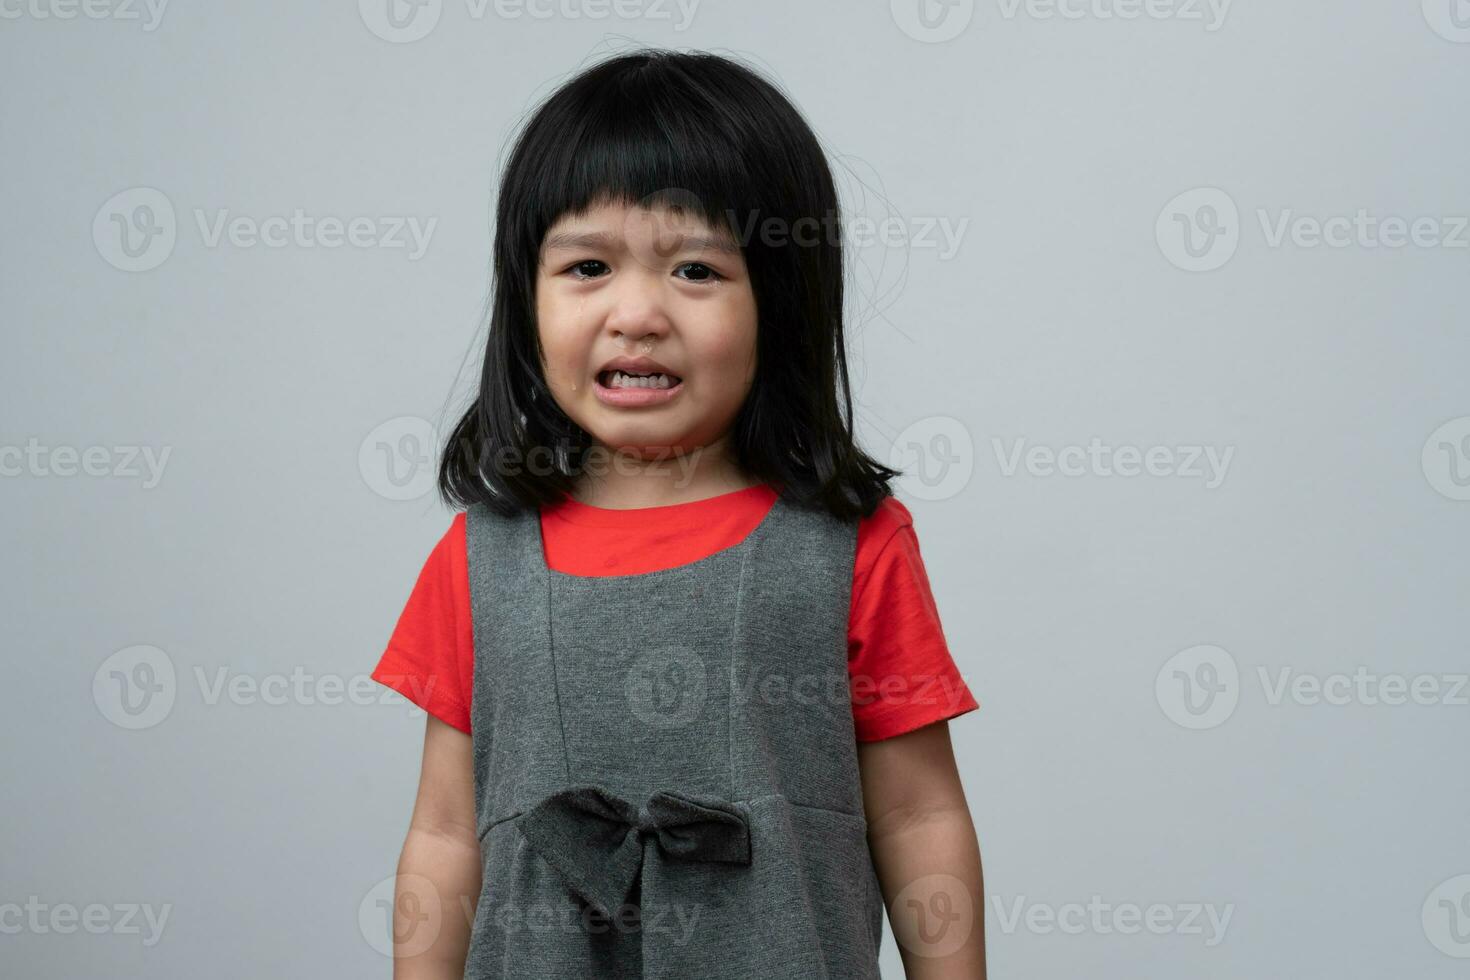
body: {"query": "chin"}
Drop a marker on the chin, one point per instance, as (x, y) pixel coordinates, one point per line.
(636, 438)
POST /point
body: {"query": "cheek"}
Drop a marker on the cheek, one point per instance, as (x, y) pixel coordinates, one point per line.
(730, 357)
(556, 326)
(732, 350)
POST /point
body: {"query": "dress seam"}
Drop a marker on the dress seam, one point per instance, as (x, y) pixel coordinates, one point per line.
(735, 633)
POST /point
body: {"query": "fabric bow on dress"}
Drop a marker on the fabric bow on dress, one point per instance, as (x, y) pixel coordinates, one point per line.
(594, 839)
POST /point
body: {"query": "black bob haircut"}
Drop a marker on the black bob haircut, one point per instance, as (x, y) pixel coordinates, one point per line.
(689, 130)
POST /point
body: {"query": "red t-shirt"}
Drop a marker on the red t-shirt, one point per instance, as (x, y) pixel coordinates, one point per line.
(901, 672)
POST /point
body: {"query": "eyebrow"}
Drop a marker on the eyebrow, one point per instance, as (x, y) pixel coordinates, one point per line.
(602, 239)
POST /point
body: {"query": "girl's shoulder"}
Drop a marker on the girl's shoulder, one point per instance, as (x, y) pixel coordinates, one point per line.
(889, 517)
(890, 524)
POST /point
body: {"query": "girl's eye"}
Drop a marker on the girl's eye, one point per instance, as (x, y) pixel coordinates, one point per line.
(689, 271)
(587, 265)
(702, 272)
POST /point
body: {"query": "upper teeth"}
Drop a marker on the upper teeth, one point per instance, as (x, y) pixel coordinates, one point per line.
(622, 379)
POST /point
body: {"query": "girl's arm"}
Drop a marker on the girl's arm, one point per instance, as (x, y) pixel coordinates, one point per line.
(438, 882)
(926, 854)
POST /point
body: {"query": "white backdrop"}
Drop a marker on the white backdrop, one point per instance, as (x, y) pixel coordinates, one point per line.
(1161, 304)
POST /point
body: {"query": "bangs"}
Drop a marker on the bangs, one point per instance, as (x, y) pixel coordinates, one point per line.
(648, 139)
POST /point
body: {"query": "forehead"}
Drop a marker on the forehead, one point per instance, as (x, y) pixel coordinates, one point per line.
(614, 215)
(612, 225)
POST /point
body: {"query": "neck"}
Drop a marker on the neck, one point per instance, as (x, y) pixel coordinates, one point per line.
(625, 479)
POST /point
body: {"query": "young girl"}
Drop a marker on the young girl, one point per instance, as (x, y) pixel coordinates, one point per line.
(686, 684)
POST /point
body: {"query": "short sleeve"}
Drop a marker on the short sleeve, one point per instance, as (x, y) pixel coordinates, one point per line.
(430, 654)
(901, 671)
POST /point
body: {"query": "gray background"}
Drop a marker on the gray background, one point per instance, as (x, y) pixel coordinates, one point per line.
(1334, 835)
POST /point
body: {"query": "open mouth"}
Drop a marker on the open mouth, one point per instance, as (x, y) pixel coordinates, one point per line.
(628, 379)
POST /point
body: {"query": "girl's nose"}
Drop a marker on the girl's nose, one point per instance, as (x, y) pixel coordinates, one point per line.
(638, 310)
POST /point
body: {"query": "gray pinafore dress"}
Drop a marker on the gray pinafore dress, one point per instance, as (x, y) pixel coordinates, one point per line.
(665, 765)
